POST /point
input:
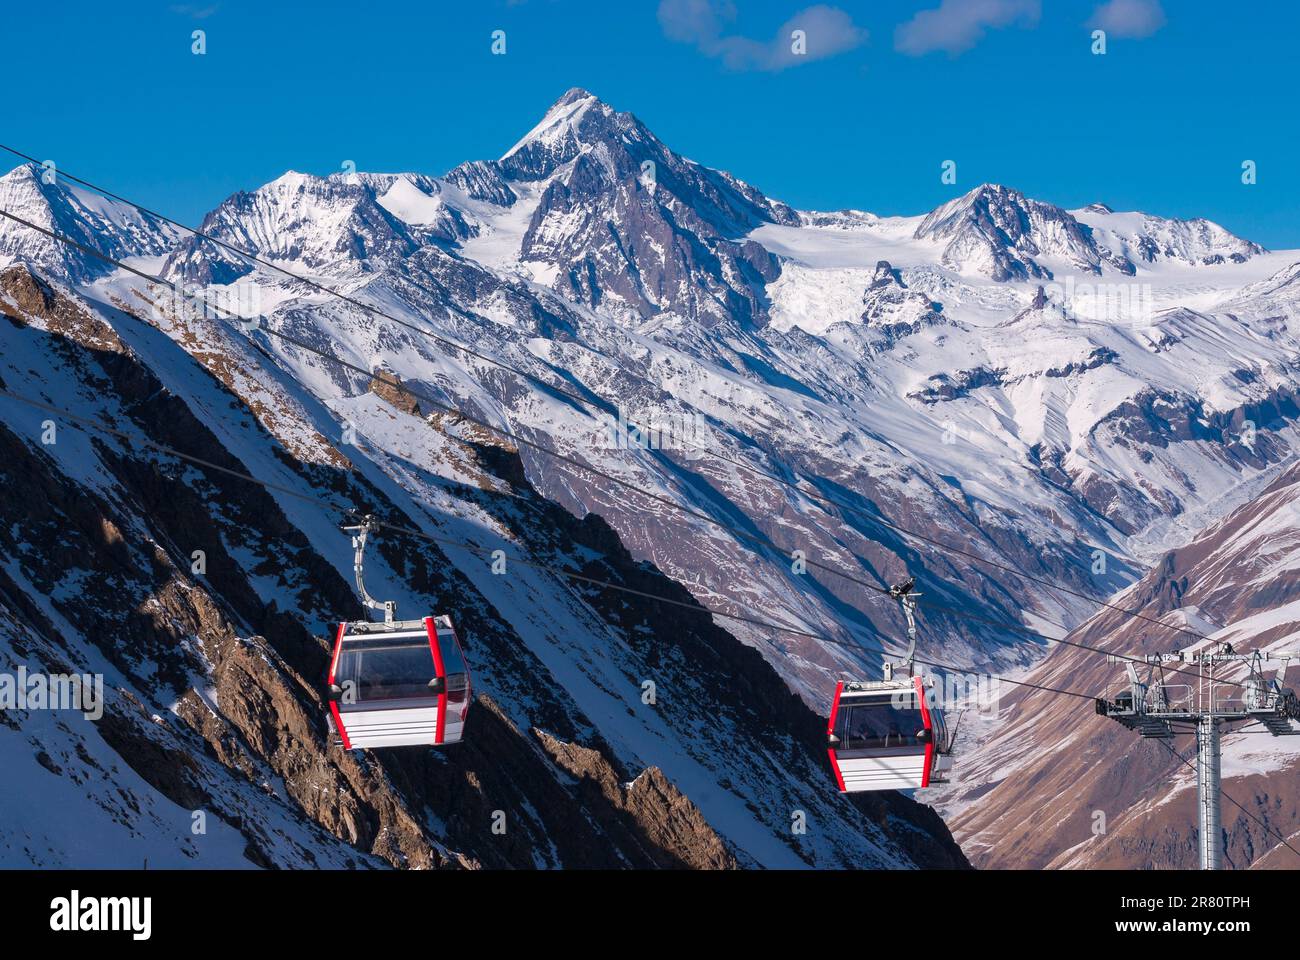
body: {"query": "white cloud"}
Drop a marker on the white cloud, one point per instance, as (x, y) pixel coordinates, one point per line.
(957, 25)
(1129, 18)
(694, 21)
(828, 31)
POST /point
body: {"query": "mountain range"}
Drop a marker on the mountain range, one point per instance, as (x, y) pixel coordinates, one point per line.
(993, 396)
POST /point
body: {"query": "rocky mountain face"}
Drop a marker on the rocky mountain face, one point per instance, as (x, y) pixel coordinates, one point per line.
(206, 602)
(1002, 234)
(1236, 582)
(999, 232)
(318, 224)
(1138, 238)
(1064, 394)
(38, 196)
(892, 307)
(622, 222)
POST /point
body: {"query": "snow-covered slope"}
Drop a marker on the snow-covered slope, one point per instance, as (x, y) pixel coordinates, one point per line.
(1156, 395)
(1139, 238)
(1001, 234)
(878, 357)
(212, 672)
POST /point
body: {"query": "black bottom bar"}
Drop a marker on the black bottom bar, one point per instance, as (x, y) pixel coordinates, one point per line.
(326, 910)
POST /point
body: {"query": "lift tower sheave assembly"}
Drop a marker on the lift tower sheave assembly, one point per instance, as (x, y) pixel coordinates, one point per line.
(1158, 710)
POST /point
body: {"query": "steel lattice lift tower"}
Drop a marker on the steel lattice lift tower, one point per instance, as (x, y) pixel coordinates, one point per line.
(1158, 710)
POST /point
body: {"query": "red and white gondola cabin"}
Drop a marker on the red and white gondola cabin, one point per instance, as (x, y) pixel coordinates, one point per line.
(398, 684)
(885, 736)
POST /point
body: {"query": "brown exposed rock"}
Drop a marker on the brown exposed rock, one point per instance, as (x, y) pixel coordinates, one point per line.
(387, 386)
(649, 804)
(32, 298)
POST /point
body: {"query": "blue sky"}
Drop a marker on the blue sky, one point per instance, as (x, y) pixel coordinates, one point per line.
(1009, 89)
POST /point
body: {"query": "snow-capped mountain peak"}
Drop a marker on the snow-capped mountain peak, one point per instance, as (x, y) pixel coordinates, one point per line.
(621, 220)
(1141, 238)
(559, 136)
(934, 371)
(344, 223)
(1000, 233)
(938, 329)
(38, 195)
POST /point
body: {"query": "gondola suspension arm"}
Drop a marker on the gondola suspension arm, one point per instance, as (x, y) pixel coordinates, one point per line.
(359, 533)
(902, 592)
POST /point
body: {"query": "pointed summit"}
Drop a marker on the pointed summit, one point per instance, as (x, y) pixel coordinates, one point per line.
(571, 96)
(1002, 234)
(982, 200)
(42, 198)
(31, 187)
(24, 172)
(625, 222)
(576, 121)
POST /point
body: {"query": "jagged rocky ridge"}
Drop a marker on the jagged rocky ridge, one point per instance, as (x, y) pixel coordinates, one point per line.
(1005, 235)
